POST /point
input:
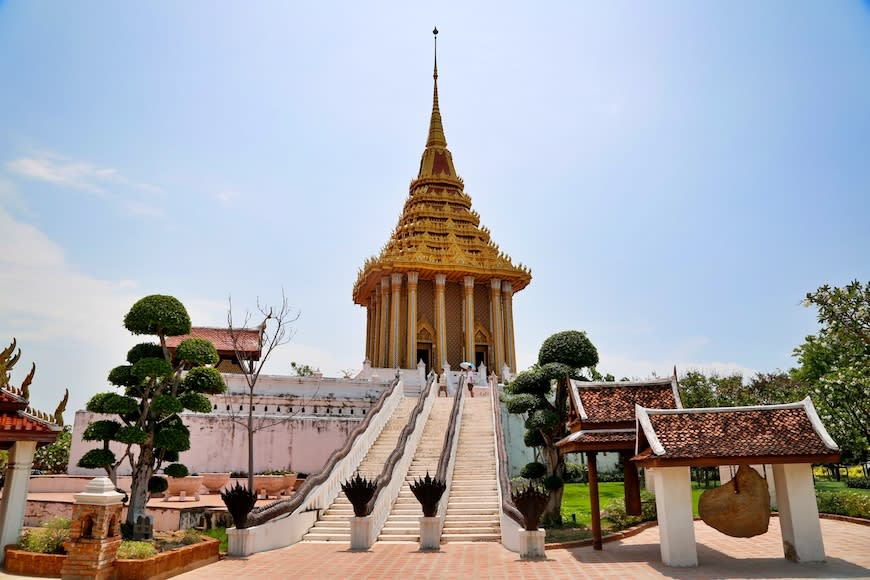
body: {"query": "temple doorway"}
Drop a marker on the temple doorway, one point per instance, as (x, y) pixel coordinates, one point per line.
(480, 355)
(424, 353)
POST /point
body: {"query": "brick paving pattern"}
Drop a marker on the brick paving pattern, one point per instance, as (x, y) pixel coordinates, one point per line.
(847, 546)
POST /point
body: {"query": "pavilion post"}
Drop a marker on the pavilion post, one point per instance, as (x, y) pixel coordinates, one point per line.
(798, 513)
(632, 486)
(593, 499)
(674, 507)
(15, 493)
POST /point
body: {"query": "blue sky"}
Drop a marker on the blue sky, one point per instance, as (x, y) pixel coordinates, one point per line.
(677, 175)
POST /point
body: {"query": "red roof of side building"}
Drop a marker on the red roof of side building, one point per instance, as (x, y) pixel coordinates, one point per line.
(789, 433)
(614, 402)
(247, 339)
(18, 424)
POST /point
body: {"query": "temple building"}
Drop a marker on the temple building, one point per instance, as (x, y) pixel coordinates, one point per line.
(440, 291)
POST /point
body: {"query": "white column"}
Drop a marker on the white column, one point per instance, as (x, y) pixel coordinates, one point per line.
(497, 323)
(395, 316)
(440, 322)
(798, 513)
(411, 346)
(468, 317)
(674, 505)
(15, 493)
(383, 353)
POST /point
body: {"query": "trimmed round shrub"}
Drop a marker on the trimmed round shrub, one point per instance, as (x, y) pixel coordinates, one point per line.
(206, 380)
(144, 350)
(195, 402)
(163, 405)
(555, 371)
(132, 435)
(542, 419)
(521, 403)
(158, 314)
(197, 352)
(176, 470)
(157, 484)
(112, 403)
(151, 368)
(170, 456)
(533, 438)
(122, 376)
(533, 470)
(552, 482)
(571, 348)
(172, 439)
(103, 430)
(97, 459)
(530, 381)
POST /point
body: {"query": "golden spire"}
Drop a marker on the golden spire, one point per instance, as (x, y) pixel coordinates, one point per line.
(436, 129)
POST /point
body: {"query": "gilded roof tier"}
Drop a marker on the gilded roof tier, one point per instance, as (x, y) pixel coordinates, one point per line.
(438, 231)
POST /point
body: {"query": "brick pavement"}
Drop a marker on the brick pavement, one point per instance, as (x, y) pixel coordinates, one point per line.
(847, 546)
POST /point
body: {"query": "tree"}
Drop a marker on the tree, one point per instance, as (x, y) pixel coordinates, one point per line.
(54, 457)
(275, 330)
(563, 356)
(835, 365)
(156, 388)
(714, 390)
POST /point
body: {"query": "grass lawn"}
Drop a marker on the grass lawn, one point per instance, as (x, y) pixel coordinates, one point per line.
(220, 534)
(838, 486)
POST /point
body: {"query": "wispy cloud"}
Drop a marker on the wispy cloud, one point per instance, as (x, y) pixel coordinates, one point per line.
(226, 196)
(105, 182)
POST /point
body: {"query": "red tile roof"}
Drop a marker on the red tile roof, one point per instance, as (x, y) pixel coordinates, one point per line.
(778, 433)
(24, 423)
(602, 402)
(248, 339)
(598, 440)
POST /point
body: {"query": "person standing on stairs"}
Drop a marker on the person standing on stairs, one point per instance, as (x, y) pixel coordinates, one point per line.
(469, 380)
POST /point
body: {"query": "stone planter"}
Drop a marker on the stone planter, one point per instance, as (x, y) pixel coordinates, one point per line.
(32, 563)
(360, 533)
(168, 564)
(532, 543)
(289, 483)
(430, 533)
(183, 487)
(215, 482)
(241, 542)
(269, 485)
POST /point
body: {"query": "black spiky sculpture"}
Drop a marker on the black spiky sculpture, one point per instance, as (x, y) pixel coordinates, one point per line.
(428, 491)
(239, 501)
(359, 491)
(531, 502)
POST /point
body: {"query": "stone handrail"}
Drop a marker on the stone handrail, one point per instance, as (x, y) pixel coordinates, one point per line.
(508, 507)
(400, 459)
(448, 452)
(313, 493)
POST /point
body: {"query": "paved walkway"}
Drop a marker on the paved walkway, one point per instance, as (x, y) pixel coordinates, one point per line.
(847, 546)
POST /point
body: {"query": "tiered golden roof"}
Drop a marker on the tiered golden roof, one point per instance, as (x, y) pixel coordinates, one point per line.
(438, 232)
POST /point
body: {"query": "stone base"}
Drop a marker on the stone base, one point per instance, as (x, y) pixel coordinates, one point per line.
(240, 542)
(360, 533)
(430, 533)
(532, 543)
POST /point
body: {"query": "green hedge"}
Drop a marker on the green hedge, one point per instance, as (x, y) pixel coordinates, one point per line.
(858, 483)
(856, 505)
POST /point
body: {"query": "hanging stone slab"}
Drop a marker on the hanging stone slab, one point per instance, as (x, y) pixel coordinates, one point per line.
(740, 508)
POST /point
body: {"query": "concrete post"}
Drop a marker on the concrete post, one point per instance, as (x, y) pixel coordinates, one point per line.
(15, 493)
(360, 533)
(430, 533)
(798, 513)
(532, 543)
(673, 487)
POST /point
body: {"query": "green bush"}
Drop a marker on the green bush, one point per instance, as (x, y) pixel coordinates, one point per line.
(575, 473)
(48, 539)
(858, 483)
(176, 470)
(533, 470)
(856, 505)
(615, 511)
(191, 536)
(157, 484)
(131, 550)
(553, 482)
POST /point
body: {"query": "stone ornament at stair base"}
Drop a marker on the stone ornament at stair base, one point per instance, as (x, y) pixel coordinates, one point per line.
(739, 508)
(430, 533)
(532, 543)
(360, 533)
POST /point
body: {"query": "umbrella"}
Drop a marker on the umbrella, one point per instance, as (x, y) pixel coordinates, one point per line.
(466, 365)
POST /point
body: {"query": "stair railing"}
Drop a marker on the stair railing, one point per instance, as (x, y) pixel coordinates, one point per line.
(399, 460)
(447, 460)
(320, 490)
(511, 518)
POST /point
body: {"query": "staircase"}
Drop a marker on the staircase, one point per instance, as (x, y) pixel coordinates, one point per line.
(334, 523)
(403, 522)
(473, 507)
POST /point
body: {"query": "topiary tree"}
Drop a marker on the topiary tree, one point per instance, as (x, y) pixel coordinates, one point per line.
(563, 356)
(156, 387)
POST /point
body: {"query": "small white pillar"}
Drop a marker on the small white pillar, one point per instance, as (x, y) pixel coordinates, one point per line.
(673, 487)
(15, 493)
(649, 480)
(360, 533)
(241, 542)
(532, 543)
(430, 533)
(798, 513)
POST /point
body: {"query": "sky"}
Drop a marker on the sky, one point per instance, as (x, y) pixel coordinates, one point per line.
(677, 175)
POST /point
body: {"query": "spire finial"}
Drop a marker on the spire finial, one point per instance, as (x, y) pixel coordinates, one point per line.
(436, 130)
(435, 34)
